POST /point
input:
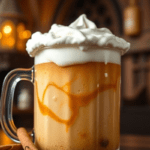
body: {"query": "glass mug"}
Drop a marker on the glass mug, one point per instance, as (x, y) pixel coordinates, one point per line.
(76, 107)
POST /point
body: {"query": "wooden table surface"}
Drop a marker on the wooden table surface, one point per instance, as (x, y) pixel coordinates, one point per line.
(135, 142)
(127, 142)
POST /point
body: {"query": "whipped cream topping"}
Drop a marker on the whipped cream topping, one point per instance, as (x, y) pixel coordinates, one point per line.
(81, 34)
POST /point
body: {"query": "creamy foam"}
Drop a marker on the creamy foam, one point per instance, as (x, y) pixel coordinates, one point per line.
(65, 56)
(79, 42)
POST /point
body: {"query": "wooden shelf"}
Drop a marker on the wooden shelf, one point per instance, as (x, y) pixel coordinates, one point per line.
(135, 142)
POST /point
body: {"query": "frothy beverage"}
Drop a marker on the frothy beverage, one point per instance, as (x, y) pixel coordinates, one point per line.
(77, 107)
(77, 87)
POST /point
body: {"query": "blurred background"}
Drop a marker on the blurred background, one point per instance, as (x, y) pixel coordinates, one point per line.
(128, 19)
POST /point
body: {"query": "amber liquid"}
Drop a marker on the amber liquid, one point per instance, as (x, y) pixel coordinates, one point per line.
(77, 107)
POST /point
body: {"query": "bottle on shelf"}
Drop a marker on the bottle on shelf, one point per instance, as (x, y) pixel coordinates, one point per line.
(132, 19)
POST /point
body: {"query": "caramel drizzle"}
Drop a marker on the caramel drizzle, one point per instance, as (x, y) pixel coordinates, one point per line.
(75, 102)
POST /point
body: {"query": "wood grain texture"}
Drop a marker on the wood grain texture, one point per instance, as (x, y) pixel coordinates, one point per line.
(11, 147)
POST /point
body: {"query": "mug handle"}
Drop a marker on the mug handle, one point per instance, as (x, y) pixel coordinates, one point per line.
(8, 89)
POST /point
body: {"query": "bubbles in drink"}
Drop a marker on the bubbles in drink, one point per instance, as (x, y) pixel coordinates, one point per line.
(54, 98)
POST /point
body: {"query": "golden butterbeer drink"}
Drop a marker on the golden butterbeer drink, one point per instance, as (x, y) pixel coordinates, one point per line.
(77, 87)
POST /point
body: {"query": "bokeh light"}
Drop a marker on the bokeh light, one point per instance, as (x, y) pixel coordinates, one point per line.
(7, 29)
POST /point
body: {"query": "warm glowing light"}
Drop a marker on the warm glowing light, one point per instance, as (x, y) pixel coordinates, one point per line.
(7, 35)
(4, 140)
(20, 46)
(12, 36)
(21, 35)
(20, 27)
(0, 35)
(11, 41)
(24, 34)
(7, 29)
